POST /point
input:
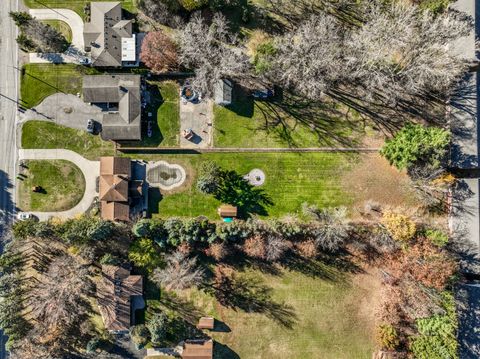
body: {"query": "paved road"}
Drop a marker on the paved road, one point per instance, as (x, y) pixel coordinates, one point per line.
(8, 107)
(90, 170)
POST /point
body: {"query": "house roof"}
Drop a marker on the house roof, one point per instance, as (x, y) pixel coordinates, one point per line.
(114, 293)
(115, 166)
(114, 188)
(104, 33)
(124, 90)
(223, 92)
(197, 349)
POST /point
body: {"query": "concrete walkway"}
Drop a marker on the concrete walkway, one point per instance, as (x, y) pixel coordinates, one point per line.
(75, 53)
(90, 170)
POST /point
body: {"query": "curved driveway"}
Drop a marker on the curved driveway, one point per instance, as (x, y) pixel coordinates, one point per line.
(90, 170)
(70, 17)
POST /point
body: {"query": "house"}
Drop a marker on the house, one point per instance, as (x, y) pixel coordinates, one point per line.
(115, 292)
(108, 37)
(197, 349)
(206, 323)
(115, 173)
(223, 92)
(119, 98)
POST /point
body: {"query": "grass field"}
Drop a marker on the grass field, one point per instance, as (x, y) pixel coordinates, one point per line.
(62, 182)
(291, 179)
(62, 27)
(326, 309)
(282, 123)
(41, 134)
(75, 5)
(39, 81)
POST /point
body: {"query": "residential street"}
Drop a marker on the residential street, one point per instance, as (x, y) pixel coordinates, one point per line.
(8, 108)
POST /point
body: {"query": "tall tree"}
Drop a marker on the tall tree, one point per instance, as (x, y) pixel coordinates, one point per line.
(159, 52)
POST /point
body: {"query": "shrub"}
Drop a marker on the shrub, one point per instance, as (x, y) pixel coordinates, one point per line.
(93, 344)
(157, 325)
(275, 247)
(417, 145)
(387, 337)
(144, 254)
(24, 229)
(139, 334)
(110, 259)
(209, 177)
(217, 251)
(262, 58)
(400, 227)
(307, 248)
(437, 237)
(192, 5)
(255, 247)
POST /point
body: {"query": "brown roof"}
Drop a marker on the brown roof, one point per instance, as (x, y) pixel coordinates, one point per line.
(113, 188)
(206, 323)
(227, 210)
(197, 349)
(114, 293)
(115, 166)
(115, 211)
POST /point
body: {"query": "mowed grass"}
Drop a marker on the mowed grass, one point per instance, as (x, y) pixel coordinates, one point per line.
(41, 134)
(76, 5)
(62, 186)
(274, 123)
(62, 27)
(291, 179)
(326, 312)
(39, 81)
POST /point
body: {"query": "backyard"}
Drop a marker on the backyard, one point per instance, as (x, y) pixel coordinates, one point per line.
(42, 134)
(286, 122)
(61, 186)
(39, 81)
(315, 311)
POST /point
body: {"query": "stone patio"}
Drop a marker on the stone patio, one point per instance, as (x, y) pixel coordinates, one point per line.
(198, 117)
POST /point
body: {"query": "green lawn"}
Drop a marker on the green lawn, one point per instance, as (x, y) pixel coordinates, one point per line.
(164, 107)
(326, 309)
(62, 27)
(286, 122)
(39, 81)
(291, 179)
(75, 5)
(41, 134)
(62, 182)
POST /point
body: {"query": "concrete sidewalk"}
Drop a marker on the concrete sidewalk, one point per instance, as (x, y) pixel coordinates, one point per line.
(90, 170)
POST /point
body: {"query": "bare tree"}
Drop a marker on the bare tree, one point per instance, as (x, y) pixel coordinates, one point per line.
(275, 247)
(180, 272)
(57, 301)
(212, 51)
(163, 12)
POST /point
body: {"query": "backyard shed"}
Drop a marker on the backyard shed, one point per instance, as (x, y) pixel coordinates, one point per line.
(223, 92)
(227, 210)
(206, 323)
(197, 349)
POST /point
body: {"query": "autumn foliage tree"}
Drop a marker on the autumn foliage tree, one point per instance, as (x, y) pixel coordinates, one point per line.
(159, 52)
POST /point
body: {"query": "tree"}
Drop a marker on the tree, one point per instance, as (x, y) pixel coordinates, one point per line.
(307, 248)
(213, 52)
(85, 229)
(275, 247)
(157, 325)
(192, 5)
(158, 52)
(416, 145)
(387, 337)
(165, 12)
(139, 334)
(255, 247)
(400, 227)
(110, 259)
(179, 272)
(20, 18)
(144, 254)
(209, 177)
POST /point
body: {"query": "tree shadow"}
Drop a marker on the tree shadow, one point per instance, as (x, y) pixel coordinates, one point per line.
(252, 296)
(242, 104)
(154, 198)
(237, 191)
(223, 351)
(184, 308)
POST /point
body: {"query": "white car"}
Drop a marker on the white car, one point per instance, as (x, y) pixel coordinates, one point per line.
(23, 216)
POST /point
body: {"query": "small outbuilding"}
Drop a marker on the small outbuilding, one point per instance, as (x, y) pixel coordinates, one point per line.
(227, 210)
(223, 92)
(197, 349)
(206, 323)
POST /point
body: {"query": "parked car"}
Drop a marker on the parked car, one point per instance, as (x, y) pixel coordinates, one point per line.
(91, 126)
(23, 216)
(263, 94)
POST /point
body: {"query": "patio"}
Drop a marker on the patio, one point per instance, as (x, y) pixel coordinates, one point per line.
(199, 118)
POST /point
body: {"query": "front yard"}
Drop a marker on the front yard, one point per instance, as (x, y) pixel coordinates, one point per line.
(62, 186)
(42, 134)
(62, 27)
(39, 81)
